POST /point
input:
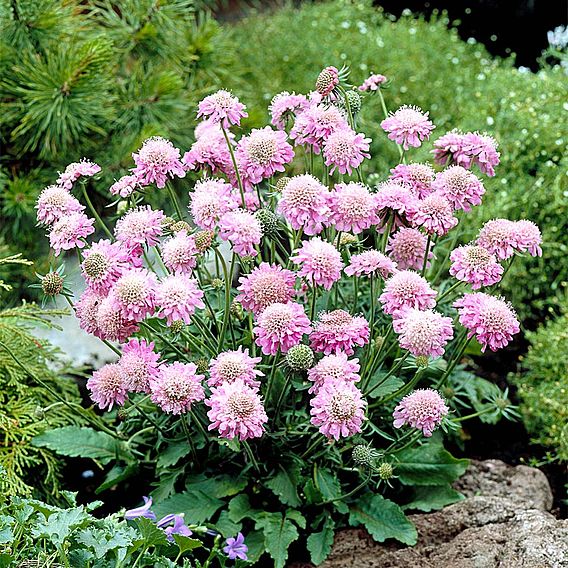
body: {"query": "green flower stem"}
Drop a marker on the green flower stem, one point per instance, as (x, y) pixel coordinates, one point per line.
(414, 437)
(425, 263)
(452, 365)
(405, 388)
(393, 370)
(347, 495)
(228, 281)
(250, 454)
(164, 339)
(174, 199)
(386, 113)
(453, 287)
(474, 415)
(313, 303)
(387, 232)
(271, 376)
(197, 420)
(234, 160)
(95, 214)
(281, 396)
(182, 419)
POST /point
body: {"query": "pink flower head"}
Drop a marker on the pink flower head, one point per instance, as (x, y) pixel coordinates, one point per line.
(345, 150)
(134, 294)
(418, 177)
(460, 187)
(407, 247)
(528, 237)
(476, 265)
(179, 253)
(107, 386)
(177, 297)
(408, 126)
(396, 197)
(373, 82)
(498, 237)
(242, 229)
(142, 225)
(434, 214)
(75, 170)
(222, 107)
(423, 332)
(371, 263)
(266, 284)
(422, 409)
(285, 106)
(103, 264)
(320, 262)
(335, 367)
(229, 366)
(139, 365)
(125, 186)
(210, 200)
(352, 207)
(407, 289)
(110, 322)
(156, 161)
(327, 80)
(236, 411)
(55, 202)
(338, 409)
(86, 310)
(177, 387)
(210, 149)
(316, 124)
(492, 320)
(339, 331)
(263, 153)
(304, 204)
(69, 231)
(281, 326)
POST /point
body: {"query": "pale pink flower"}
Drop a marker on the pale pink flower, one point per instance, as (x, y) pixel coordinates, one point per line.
(103, 264)
(281, 326)
(327, 80)
(107, 386)
(315, 125)
(139, 365)
(125, 186)
(230, 366)
(177, 387)
(408, 126)
(422, 409)
(407, 247)
(434, 214)
(134, 294)
(371, 263)
(210, 149)
(460, 187)
(142, 225)
(476, 265)
(285, 106)
(320, 262)
(499, 237)
(242, 229)
(491, 320)
(528, 237)
(418, 177)
(407, 289)
(55, 202)
(338, 331)
(86, 310)
(424, 333)
(338, 409)
(177, 297)
(75, 170)
(179, 253)
(345, 150)
(395, 196)
(335, 367)
(236, 411)
(70, 231)
(157, 161)
(222, 107)
(266, 284)
(352, 207)
(210, 200)
(110, 323)
(373, 82)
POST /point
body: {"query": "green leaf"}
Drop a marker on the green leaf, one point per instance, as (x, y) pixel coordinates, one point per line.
(5, 560)
(6, 531)
(226, 526)
(173, 453)
(116, 475)
(239, 508)
(197, 506)
(388, 386)
(432, 498)
(297, 517)
(284, 485)
(319, 544)
(101, 542)
(312, 495)
(383, 519)
(75, 441)
(279, 534)
(255, 542)
(59, 526)
(219, 486)
(327, 484)
(151, 534)
(186, 543)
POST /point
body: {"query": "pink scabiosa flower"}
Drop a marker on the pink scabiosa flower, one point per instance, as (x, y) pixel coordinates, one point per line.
(345, 150)
(373, 82)
(528, 237)
(139, 364)
(125, 186)
(179, 253)
(263, 153)
(55, 202)
(285, 106)
(320, 262)
(107, 386)
(210, 200)
(422, 409)
(86, 310)
(222, 107)
(491, 320)
(338, 331)
(266, 284)
(134, 294)
(418, 177)
(407, 247)
(177, 387)
(281, 326)
(423, 332)
(371, 263)
(316, 124)
(395, 196)
(338, 409)
(177, 297)
(408, 126)
(304, 204)
(460, 187)
(69, 231)
(157, 161)
(75, 170)
(110, 323)
(236, 411)
(352, 207)
(434, 214)
(242, 229)
(334, 368)
(209, 149)
(327, 80)
(407, 289)
(142, 225)
(476, 265)
(229, 366)
(498, 236)
(103, 264)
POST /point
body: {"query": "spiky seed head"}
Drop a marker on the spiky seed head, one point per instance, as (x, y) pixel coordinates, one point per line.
(237, 310)
(52, 284)
(422, 361)
(347, 239)
(217, 283)
(379, 341)
(167, 222)
(39, 413)
(203, 240)
(282, 183)
(385, 471)
(354, 101)
(300, 358)
(268, 221)
(180, 226)
(363, 455)
(176, 326)
(122, 413)
(202, 365)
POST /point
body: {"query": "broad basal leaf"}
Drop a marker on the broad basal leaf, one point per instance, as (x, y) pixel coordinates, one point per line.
(319, 544)
(432, 498)
(197, 506)
(284, 485)
(279, 533)
(385, 387)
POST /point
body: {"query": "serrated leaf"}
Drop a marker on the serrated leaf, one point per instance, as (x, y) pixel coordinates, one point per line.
(312, 495)
(297, 517)
(151, 534)
(219, 486)
(386, 387)
(279, 534)
(255, 542)
(171, 455)
(327, 484)
(284, 485)
(239, 508)
(319, 544)
(197, 506)
(226, 526)
(383, 519)
(101, 542)
(6, 532)
(433, 498)
(186, 543)
(60, 525)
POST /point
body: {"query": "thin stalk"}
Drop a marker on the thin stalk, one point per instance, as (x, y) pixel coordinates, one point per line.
(347, 495)
(474, 415)
(271, 377)
(174, 199)
(428, 242)
(386, 113)
(393, 370)
(234, 160)
(250, 455)
(313, 303)
(228, 280)
(95, 214)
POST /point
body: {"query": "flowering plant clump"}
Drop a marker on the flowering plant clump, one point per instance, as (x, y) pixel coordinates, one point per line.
(290, 343)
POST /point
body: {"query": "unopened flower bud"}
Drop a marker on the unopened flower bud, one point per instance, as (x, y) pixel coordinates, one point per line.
(347, 239)
(203, 240)
(237, 310)
(379, 341)
(422, 361)
(364, 455)
(167, 222)
(385, 471)
(268, 221)
(373, 180)
(300, 358)
(180, 226)
(121, 207)
(122, 413)
(52, 284)
(327, 80)
(217, 283)
(202, 365)
(39, 413)
(448, 392)
(176, 326)
(282, 183)
(354, 101)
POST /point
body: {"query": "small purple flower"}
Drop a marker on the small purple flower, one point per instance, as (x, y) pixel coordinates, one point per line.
(236, 548)
(179, 526)
(143, 511)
